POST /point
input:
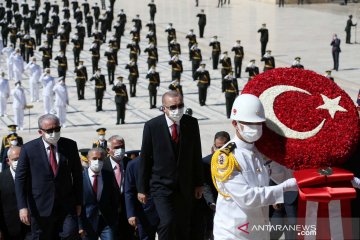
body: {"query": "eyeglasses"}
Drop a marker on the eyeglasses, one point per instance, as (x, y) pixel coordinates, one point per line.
(51, 130)
(174, 107)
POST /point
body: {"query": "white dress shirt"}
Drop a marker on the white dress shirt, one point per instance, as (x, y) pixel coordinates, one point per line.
(99, 182)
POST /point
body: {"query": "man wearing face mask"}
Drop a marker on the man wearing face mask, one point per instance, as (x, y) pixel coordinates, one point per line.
(244, 194)
(98, 218)
(170, 167)
(12, 140)
(116, 165)
(49, 190)
(101, 142)
(10, 225)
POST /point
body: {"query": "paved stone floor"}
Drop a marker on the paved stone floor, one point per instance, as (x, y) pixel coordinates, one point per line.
(304, 31)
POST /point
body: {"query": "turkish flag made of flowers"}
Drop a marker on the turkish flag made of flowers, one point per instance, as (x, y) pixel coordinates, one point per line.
(310, 121)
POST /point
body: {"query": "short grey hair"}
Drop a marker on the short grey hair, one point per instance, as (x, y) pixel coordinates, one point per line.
(114, 137)
(48, 117)
(100, 150)
(12, 149)
(172, 94)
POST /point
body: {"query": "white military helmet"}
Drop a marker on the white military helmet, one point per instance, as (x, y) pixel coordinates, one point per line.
(248, 108)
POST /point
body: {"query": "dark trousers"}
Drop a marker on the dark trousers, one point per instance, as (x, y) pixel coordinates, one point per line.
(120, 113)
(348, 36)
(89, 30)
(238, 65)
(103, 231)
(152, 94)
(195, 66)
(175, 75)
(99, 94)
(95, 63)
(111, 74)
(202, 95)
(263, 48)
(59, 225)
(215, 59)
(174, 210)
(46, 63)
(29, 53)
(132, 88)
(38, 39)
(201, 30)
(76, 57)
(335, 55)
(62, 72)
(229, 100)
(281, 3)
(80, 86)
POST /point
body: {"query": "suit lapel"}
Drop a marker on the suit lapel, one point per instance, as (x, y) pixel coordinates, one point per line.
(44, 155)
(88, 184)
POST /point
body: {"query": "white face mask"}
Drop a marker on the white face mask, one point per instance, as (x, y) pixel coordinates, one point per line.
(14, 142)
(52, 138)
(101, 137)
(96, 165)
(14, 165)
(119, 154)
(176, 114)
(250, 133)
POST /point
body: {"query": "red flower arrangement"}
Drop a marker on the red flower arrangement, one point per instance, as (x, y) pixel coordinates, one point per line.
(311, 122)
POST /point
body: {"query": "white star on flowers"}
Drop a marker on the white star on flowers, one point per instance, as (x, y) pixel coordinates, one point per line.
(332, 105)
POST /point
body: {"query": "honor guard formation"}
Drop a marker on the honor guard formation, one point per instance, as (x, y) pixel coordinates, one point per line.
(106, 73)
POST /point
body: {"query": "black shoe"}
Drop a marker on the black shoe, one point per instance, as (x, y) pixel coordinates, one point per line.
(117, 123)
(122, 122)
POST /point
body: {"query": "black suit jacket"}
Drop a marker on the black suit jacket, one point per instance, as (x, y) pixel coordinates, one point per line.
(36, 186)
(160, 167)
(10, 224)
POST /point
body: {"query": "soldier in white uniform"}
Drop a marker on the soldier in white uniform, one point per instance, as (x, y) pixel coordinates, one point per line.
(61, 100)
(242, 177)
(19, 103)
(35, 70)
(48, 84)
(4, 94)
(8, 51)
(17, 65)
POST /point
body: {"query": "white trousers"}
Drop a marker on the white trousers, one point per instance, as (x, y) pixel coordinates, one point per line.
(34, 90)
(3, 102)
(48, 103)
(61, 114)
(19, 117)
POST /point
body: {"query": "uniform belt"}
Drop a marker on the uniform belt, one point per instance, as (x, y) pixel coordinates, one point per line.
(269, 66)
(230, 91)
(99, 86)
(237, 55)
(203, 81)
(133, 52)
(111, 61)
(226, 67)
(216, 50)
(153, 82)
(77, 46)
(94, 55)
(121, 94)
(177, 69)
(152, 57)
(133, 74)
(63, 41)
(48, 56)
(62, 64)
(29, 46)
(80, 77)
(197, 58)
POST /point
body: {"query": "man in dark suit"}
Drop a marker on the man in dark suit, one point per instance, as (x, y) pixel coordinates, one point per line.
(335, 43)
(142, 216)
(115, 164)
(99, 217)
(171, 169)
(349, 24)
(264, 38)
(11, 227)
(48, 183)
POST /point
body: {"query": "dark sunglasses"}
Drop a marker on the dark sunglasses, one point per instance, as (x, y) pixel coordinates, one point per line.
(174, 107)
(51, 130)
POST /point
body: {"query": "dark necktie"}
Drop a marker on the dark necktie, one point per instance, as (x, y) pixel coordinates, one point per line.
(52, 158)
(174, 134)
(95, 184)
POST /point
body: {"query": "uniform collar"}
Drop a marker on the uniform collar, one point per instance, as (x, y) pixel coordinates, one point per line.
(241, 144)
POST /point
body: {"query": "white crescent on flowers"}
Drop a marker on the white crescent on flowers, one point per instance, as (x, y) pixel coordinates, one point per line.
(268, 97)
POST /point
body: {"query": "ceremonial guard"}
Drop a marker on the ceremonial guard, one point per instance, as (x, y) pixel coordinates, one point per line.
(252, 69)
(133, 76)
(110, 53)
(50, 35)
(89, 23)
(30, 45)
(4, 94)
(135, 35)
(78, 15)
(118, 33)
(103, 25)
(18, 65)
(18, 20)
(47, 54)
(134, 50)
(349, 24)
(96, 10)
(114, 44)
(26, 20)
(34, 80)
(38, 31)
(76, 49)
(86, 7)
(121, 98)
(63, 39)
(13, 31)
(100, 87)
(201, 22)
(192, 40)
(21, 36)
(61, 101)
(47, 6)
(196, 58)
(225, 61)
(122, 20)
(264, 38)
(55, 22)
(66, 12)
(80, 79)
(4, 31)
(9, 51)
(67, 26)
(152, 55)
(95, 55)
(62, 64)
(98, 37)
(137, 22)
(230, 87)
(152, 27)
(216, 50)
(297, 64)
(48, 83)
(75, 6)
(238, 58)
(109, 18)
(19, 103)
(4, 142)
(203, 76)
(55, 7)
(152, 6)
(176, 86)
(81, 33)
(25, 7)
(328, 75)
(171, 35)
(101, 142)
(44, 18)
(154, 83)
(176, 67)
(174, 48)
(268, 60)
(152, 37)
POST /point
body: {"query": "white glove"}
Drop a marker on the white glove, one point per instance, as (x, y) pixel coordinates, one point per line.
(289, 185)
(356, 182)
